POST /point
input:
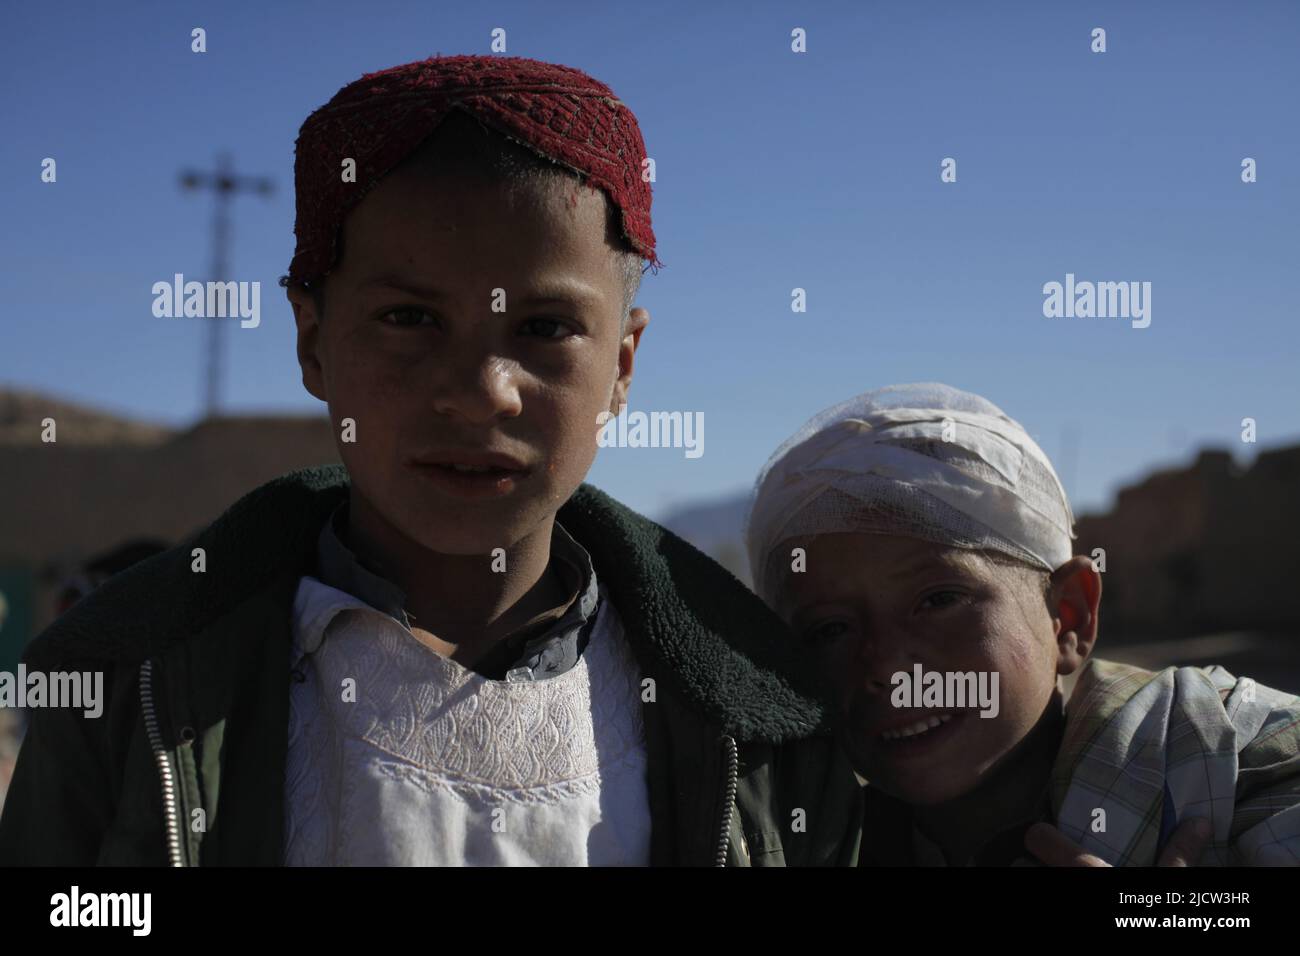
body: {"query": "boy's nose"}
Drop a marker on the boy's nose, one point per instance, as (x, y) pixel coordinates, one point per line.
(479, 390)
(880, 654)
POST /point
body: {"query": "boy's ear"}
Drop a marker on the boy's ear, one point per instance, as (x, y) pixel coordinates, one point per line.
(1074, 595)
(309, 339)
(637, 320)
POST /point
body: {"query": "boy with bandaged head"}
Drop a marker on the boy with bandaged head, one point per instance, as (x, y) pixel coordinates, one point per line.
(917, 534)
(453, 652)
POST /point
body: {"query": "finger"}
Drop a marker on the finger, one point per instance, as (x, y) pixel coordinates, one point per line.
(1187, 843)
(1054, 848)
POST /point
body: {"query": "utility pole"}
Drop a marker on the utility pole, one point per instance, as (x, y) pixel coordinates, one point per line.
(224, 184)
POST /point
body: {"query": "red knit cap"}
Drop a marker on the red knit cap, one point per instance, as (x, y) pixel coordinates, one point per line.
(382, 118)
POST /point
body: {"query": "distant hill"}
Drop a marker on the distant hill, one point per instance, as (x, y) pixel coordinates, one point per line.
(717, 528)
(22, 412)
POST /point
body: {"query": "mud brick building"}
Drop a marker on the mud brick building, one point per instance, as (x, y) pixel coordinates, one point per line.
(108, 480)
(1203, 549)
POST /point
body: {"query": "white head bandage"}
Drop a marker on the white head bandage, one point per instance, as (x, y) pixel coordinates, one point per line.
(922, 461)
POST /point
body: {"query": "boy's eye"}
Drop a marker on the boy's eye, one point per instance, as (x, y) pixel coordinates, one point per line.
(546, 328)
(941, 599)
(823, 634)
(407, 317)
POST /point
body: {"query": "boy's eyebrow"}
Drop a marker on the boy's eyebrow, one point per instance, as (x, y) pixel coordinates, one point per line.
(562, 290)
(403, 284)
(549, 291)
(927, 562)
(844, 591)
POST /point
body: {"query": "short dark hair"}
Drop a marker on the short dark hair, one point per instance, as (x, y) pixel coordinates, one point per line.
(463, 145)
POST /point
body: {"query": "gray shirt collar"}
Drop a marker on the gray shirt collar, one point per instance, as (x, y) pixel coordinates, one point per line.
(547, 654)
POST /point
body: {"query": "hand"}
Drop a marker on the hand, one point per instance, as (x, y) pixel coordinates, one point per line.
(1054, 848)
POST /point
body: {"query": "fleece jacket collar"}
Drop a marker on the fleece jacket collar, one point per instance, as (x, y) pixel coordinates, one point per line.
(690, 622)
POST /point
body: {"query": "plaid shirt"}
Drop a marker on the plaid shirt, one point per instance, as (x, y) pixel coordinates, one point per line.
(1152, 749)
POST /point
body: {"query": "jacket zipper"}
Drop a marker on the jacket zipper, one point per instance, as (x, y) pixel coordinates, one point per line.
(728, 801)
(165, 771)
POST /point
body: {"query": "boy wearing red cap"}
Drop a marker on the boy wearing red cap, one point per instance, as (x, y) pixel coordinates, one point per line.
(452, 652)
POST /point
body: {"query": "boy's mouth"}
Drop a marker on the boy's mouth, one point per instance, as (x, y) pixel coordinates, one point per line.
(918, 735)
(471, 475)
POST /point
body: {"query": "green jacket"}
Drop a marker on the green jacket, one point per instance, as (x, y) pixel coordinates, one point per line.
(186, 764)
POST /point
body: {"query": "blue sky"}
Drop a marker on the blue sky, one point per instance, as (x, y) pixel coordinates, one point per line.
(774, 171)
